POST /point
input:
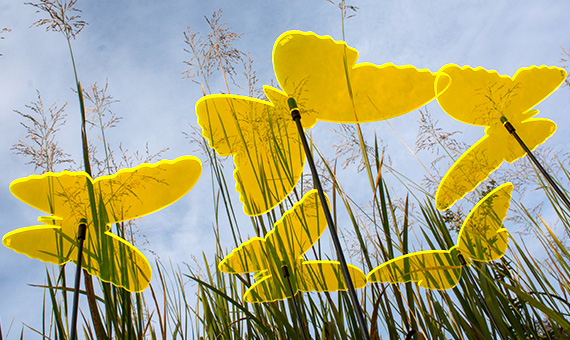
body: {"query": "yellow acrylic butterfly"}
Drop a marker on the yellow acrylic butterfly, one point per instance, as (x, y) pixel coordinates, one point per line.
(322, 76)
(485, 98)
(126, 195)
(293, 235)
(482, 238)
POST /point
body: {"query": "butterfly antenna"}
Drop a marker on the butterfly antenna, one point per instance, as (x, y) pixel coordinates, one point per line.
(511, 129)
(80, 238)
(296, 115)
(481, 298)
(301, 325)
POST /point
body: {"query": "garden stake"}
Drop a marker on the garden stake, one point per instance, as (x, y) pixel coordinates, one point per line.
(301, 325)
(296, 115)
(80, 238)
(549, 179)
(481, 298)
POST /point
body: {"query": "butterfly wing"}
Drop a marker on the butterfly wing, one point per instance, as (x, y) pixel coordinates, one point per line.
(323, 77)
(473, 167)
(480, 97)
(41, 242)
(135, 192)
(532, 132)
(249, 257)
(319, 276)
(264, 143)
(266, 289)
(482, 236)
(61, 194)
(116, 261)
(111, 258)
(297, 230)
(431, 269)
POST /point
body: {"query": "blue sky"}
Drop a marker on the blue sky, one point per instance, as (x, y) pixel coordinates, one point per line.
(138, 46)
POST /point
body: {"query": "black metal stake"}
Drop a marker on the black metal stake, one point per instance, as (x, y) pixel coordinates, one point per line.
(511, 129)
(344, 268)
(301, 325)
(80, 238)
(481, 298)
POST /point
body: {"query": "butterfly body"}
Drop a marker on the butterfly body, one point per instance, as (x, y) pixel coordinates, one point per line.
(481, 238)
(328, 85)
(293, 235)
(484, 98)
(72, 198)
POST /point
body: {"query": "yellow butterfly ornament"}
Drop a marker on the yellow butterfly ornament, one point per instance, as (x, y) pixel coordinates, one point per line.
(482, 238)
(485, 98)
(322, 76)
(125, 195)
(293, 235)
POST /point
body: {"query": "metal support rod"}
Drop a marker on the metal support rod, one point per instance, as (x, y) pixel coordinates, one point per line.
(296, 115)
(480, 296)
(511, 129)
(80, 238)
(300, 322)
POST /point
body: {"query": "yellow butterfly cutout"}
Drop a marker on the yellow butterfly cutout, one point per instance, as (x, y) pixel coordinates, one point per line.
(485, 98)
(293, 235)
(126, 195)
(322, 76)
(482, 238)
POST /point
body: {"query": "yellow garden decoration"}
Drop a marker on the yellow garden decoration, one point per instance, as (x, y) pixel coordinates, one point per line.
(73, 197)
(482, 238)
(293, 235)
(485, 98)
(322, 76)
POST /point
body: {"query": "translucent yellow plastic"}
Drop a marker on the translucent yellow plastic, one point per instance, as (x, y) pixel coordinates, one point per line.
(322, 76)
(126, 195)
(294, 234)
(482, 238)
(480, 97)
(264, 141)
(325, 80)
